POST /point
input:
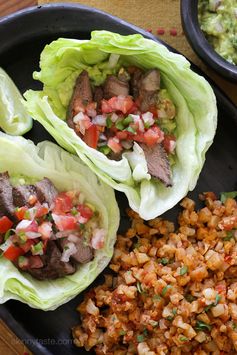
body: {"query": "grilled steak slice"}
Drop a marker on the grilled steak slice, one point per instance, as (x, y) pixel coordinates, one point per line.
(46, 191)
(53, 266)
(115, 87)
(98, 95)
(135, 82)
(22, 193)
(84, 253)
(158, 163)
(149, 85)
(6, 200)
(82, 95)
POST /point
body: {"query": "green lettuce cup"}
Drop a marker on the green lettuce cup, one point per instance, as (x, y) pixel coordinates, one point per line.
(196, 114)
(25, 161)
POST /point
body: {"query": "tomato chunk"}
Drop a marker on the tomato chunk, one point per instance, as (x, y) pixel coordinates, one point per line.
(85, 211)
(5, 224)
(91, 136)
(66, 222)
(113, 143)
(20, 212)
(12, 253)
(27, 245)
(62, 203)
(153, 136)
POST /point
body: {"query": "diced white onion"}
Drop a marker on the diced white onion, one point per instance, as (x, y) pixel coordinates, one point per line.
(114, 117)
(98, 237)
(79, 117)
(25, 223)
(32, 235)
(6, 244)
(70, 250)
(148, 118)
(99, 120)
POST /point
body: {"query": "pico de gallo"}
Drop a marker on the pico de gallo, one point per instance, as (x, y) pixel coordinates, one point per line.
(116, 123)
(42, 235)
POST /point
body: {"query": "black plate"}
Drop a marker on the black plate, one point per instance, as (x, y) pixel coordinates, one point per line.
(23, 36)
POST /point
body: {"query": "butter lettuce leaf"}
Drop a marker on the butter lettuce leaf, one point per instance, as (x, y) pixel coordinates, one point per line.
(67, 172)
(196, 118)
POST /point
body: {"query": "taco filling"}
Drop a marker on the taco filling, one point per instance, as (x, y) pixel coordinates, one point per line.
(44, 232)
(128, 107)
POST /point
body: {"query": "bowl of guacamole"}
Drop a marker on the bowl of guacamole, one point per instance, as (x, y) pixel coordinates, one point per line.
(211, 29)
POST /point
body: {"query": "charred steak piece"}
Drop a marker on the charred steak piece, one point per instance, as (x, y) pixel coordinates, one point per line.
(135, 82)
(149, 85)
(6, 200)
(84, 253)
(82, 95)
(53, 266)
(22, 193)
(115, 87)
(98, 95)
(46, 191)
(158, 163)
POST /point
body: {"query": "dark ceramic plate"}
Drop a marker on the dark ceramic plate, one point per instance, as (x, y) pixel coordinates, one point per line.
(23, 36)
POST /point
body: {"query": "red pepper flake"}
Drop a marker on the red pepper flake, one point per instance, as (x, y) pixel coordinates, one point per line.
(173, 32)
(160, 31)
(149, 30)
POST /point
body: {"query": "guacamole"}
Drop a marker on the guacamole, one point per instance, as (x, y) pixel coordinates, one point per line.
(218, 20)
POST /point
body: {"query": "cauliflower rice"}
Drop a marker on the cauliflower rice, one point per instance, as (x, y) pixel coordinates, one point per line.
(171, 292)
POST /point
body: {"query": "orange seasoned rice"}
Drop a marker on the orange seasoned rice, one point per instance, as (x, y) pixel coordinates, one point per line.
(171, 291)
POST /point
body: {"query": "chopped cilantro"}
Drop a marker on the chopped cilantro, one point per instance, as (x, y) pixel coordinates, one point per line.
(225, 195)
(202, 326)
(190, 298)
(234, 326)
(82, 226)
(7, 234)
(157, 297)
(183, 270)
(165, 289)
(164, 261)
(213, 304)
(140, 338)
(139, 287)
(170, 318)
(49, 217)
(174, 311)
(74, 211)
(122, 332)
(229, 236)
(183, 338)
(145, 332)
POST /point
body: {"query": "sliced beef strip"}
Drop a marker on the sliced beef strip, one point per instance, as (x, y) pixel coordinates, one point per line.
(135, 82)
(46, 191)
(53, 266)
(98, 95)
(84, 253)
(115, 87)
(158, 163)
(149, 85)
(82, 95)
(6, 200)
(22, 193)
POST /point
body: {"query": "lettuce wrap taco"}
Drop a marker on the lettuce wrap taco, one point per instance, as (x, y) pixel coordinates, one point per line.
(58, 223)
(134, 112)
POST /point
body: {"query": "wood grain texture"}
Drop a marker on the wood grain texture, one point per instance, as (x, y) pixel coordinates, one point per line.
(9, 6)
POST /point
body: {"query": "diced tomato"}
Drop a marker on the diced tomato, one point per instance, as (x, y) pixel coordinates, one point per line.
(35, 262)
(105, 106)
(221, 289)
(32, 200)
(113, 143)
(122, 135)
(20, 212)
(5, 224)
(12, 253)
(169, 143)
(91, 136)
(85, 211)
(63, 203)
(45, 229)
(153, 109)
(121, 103)
(27, 226)
(133, 109)
(67, 222)
(153, 136)
(139, 137)
(27, 245)
(41, 211)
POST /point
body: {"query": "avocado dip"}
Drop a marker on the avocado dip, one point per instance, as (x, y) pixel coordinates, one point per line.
(218, 21)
